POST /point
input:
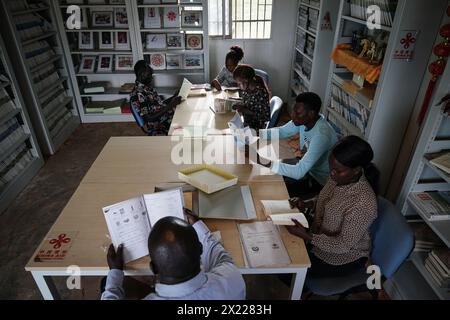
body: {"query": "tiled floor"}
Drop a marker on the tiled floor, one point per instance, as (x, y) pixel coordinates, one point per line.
(34, 211)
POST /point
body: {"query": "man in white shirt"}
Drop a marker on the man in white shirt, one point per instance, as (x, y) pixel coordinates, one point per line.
(189, 262)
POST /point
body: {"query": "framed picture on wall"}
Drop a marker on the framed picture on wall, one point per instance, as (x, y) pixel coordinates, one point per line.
(193, 61)
(116, 1)
(106, 40)
(87, 64)
(171, 17)
(152, 18)
(122, 41)
(175, 41)
(155, 41)
(105, 63)
(120, 18)
(124, 62)
(86, 40)
(174, 61)
(102, 19)
(191, 19)
(194, 41)
(158, 61)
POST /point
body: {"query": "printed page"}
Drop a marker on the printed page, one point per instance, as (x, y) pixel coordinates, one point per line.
(236, 122)
(185, 89)
(280, 212)
(164, 204)
(263, 245)
(128, 224)
(277, 206)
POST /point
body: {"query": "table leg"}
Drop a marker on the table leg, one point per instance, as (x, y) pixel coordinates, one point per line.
(297, 284)
(46, 286)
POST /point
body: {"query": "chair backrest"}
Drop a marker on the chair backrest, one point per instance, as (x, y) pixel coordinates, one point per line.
(137, 117)
(392, 238)
(263, 75)
(275, 110)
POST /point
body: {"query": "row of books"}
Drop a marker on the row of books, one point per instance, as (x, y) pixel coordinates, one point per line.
(441, 160)
(299, 85)
(315, 3)
(119, 106)
(30, 26)
(335, 123)
(54, 99)
(308, 18)
(305, 43)
(14, 164)
(57, 121)
(425, 239)
(10, 132)
(45, 77)
(434, 205)
(304, 66)
(349, 108)
(18, 5)
(38, 53)
(438, 265)
(358, 9)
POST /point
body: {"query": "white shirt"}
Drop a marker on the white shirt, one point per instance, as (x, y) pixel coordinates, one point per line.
(219, 280)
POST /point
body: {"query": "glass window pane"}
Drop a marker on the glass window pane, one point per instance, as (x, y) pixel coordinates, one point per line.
(268, 12)
(254, 13)
(261, 11)
(260, 29)
(267, 29)
(239, 30)
(253, 30)
(247, 9)
(246, 34)
(239, 13)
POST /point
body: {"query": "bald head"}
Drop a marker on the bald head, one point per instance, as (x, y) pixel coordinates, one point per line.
(174, 250)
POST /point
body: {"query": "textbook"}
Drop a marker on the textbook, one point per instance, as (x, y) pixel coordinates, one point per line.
(130, 222)
(280, 212)
(434, 205)
(442, 162)
(96, 87)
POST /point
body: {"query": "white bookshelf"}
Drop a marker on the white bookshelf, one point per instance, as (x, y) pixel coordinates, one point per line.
(310, 68)
(166, 81)
(423, 176)
(380, 112)
(15, 172)
(41, 70)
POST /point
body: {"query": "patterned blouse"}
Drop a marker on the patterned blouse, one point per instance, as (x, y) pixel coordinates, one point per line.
(147, 101)
(225, 78)
(257, 101)
(342, 220)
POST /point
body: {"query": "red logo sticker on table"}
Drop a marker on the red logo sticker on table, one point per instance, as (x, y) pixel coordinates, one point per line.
(58, 242)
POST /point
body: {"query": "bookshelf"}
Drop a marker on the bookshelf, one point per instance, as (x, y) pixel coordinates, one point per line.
(139, 31)
(31, 37)
(20, 157)
(312, 49)
(380, 110)
(422, 176)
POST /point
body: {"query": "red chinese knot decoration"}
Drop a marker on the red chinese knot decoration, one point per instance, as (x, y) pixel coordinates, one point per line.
(436, 68)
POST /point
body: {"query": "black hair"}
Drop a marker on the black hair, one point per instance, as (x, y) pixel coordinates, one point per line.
(310, 100)
(235, 54)
(246, 72)
(174, 248)
(353, 152)
(142, 70)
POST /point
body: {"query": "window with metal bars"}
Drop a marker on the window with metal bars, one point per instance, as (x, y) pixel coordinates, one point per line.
(250, 19)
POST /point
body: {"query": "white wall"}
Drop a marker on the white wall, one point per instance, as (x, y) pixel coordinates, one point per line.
(272, 55)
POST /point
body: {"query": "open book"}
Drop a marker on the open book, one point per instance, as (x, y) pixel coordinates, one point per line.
(280, 212)
(129, 222)
(242, 134)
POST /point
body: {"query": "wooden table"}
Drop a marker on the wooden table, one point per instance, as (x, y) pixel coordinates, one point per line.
(197, 112)
(130, 166)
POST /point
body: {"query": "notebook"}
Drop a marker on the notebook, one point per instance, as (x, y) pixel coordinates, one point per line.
(280, 212)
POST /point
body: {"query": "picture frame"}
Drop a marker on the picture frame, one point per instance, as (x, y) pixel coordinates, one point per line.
(87, 64)
(193, 61)
(86, 40)
(175, 41)
(116, 1)
(84, 18)
(154, 41)
(122, 40)
(158, 61)
(105, 63)
(151, 2)
(168, 1)
(191, 18)
(174, 61)
(102, 19)
(96, 1)
(171, 17)
(194, 41)
(152, 18)
(106, 40)
(120, 18)
(124, 62)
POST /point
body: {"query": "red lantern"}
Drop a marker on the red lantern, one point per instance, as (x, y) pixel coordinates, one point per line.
(442, 50)
(445, 31)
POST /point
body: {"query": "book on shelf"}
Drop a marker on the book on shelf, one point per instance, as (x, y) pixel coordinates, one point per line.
(437, 264)
(425, 238)
(441, 160)
(435, 205)
(262, 245)
(281, 213)
(96, 87)
(126, 88)
(130, 222)
(111, 107)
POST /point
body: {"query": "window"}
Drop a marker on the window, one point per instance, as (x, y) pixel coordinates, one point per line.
(250, 19)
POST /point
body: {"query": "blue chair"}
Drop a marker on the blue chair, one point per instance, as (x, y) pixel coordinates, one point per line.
(263, 75)
(137, 117)
(275, 111)
(392, 243)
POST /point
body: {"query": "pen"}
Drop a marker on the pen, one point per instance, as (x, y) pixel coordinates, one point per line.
(212, 110)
